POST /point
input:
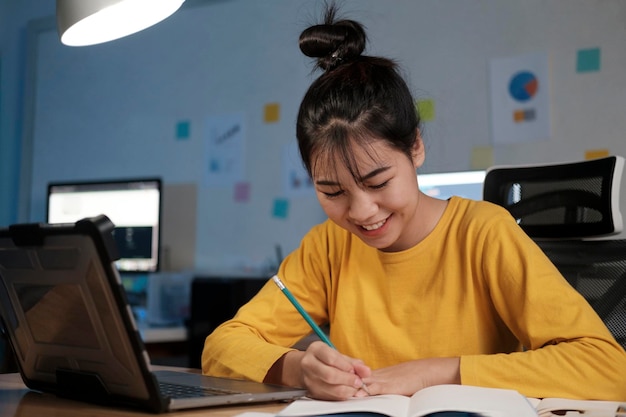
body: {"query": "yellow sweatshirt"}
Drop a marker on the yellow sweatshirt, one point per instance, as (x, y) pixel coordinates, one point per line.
(477, 287)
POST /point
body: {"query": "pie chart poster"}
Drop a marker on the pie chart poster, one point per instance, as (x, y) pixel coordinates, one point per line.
(520, 99)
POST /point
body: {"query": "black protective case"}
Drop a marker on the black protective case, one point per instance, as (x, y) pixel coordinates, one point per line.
(67, 327)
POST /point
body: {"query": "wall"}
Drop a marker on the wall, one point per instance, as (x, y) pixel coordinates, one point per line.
(14, 15)
(112, 110)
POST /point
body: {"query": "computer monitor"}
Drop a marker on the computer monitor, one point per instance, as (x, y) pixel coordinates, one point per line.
(133, 205)
(468, 184)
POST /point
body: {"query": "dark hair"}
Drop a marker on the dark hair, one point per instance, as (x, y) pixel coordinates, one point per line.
(358, 99)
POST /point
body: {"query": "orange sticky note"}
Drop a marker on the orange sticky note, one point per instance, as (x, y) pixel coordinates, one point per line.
(272, 112)
(596, 153)
(518, 116)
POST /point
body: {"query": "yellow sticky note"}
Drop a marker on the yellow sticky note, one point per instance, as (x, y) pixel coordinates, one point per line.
(596, 153)
(272, 112)
(426, 109)
(482, 157)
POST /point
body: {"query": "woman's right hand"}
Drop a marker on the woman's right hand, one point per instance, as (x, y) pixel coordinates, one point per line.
(326, 373)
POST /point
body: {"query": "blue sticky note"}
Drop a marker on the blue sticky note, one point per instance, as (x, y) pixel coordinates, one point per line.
(588, 60)
(281, 208)
(183, 129)
(214, 165)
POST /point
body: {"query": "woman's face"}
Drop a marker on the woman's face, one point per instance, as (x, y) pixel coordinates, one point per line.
(380, 208)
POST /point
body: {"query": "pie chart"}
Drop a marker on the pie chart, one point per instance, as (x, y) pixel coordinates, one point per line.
(523, 86)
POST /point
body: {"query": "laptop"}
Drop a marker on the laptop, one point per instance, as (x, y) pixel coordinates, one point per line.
(67, 318)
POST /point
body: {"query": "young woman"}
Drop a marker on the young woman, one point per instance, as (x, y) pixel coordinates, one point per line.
(417, 291)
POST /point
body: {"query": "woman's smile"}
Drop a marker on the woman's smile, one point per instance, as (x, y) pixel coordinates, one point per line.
(374, 226)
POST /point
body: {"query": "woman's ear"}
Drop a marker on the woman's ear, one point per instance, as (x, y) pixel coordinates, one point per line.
(418, 153)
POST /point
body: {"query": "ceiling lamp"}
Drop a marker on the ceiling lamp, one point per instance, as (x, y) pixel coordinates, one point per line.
(89, 22)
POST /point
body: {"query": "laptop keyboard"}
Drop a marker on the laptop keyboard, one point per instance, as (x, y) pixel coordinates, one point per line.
(185, 391)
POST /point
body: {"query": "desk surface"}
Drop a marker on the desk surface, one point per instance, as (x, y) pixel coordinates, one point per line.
(17, 400)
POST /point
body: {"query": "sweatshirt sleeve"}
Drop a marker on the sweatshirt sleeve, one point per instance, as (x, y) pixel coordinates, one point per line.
(266, 327)
(565, 341)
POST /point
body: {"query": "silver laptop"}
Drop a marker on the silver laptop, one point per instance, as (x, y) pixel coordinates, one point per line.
(71, 328)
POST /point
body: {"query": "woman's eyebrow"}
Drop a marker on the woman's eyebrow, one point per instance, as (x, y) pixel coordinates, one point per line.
(326, 182)
(373, 173)
(361, 179)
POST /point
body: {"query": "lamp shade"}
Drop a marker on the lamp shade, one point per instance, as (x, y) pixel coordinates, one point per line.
(89, 22)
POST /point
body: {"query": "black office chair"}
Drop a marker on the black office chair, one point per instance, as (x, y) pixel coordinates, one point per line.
(570, 200)
(213, 301)
(569, 210)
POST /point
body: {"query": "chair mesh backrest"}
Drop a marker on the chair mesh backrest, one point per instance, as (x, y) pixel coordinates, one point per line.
(572, 200)
(597, 269)
(558, 206)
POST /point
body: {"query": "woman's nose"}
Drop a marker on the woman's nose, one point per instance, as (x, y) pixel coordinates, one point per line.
(362, 206)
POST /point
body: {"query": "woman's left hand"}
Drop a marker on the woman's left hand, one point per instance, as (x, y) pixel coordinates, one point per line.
(409, 377)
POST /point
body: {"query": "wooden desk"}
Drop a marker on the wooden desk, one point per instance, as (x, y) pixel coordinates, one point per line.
(17, 400)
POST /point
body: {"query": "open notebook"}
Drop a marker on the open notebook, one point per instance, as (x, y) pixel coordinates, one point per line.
(71, 328)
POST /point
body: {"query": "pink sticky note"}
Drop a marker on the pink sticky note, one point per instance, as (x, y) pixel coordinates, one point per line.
(242, 192)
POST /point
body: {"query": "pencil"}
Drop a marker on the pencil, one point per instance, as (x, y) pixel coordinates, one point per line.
(308, 319)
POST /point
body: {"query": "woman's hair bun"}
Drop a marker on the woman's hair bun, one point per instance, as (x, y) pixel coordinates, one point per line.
(333, 43)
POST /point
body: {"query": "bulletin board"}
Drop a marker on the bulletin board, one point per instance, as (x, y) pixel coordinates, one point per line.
(209, 98)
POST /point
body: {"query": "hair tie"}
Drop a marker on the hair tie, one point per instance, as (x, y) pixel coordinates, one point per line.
(335, 60)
